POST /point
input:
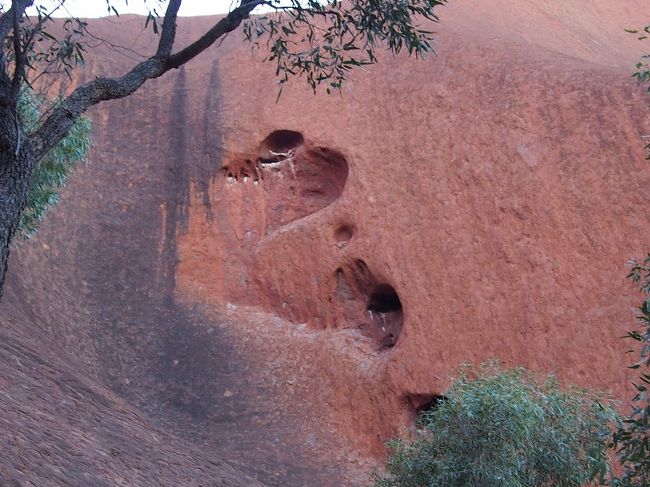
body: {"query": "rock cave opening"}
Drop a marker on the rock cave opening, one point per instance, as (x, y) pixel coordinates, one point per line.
(424, 403)
(385, 310)
(384, 299)
(282, 141)
(369, 303)
(435, 401)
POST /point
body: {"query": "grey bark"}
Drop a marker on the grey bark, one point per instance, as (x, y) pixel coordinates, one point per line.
(15, 175)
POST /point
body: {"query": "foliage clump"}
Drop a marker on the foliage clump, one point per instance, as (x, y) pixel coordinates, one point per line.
(632, 438)
(506, 429)
(52, 172)
(324, 39)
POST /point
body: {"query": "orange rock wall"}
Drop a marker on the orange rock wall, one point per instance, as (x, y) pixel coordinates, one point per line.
(497, 187)
(286, 283)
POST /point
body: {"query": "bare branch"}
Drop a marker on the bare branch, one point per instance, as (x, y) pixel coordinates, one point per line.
(168, 33)
(62, 117)
(229, 23)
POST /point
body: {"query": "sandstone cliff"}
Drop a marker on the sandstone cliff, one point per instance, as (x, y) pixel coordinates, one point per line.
(283, 285)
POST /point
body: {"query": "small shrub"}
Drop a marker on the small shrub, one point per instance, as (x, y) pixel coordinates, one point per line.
(52, 172)
(506, 429)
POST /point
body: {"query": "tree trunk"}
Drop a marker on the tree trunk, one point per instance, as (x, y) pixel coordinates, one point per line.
(15, 175)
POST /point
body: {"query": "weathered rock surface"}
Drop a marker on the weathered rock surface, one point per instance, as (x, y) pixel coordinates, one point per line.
(61, 428)
(282, 285)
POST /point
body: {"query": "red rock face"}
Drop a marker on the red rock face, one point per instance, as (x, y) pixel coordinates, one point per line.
(493, 197)
(299, 278)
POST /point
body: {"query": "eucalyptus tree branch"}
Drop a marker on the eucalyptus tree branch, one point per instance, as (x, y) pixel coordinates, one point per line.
(323, 12)
(18, 7)
(44, 72)
(357, 28)
(42, 18)
(62, 117)
(168, 33)
(19, 55)
(227, 24)
(6, 25)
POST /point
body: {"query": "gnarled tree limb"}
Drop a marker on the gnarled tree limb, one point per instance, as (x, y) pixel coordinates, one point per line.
(101, 89)
(6, 20)
(7, 23)
(168, 33)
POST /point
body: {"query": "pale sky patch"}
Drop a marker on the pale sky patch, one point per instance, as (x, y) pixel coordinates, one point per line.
(97, 8)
